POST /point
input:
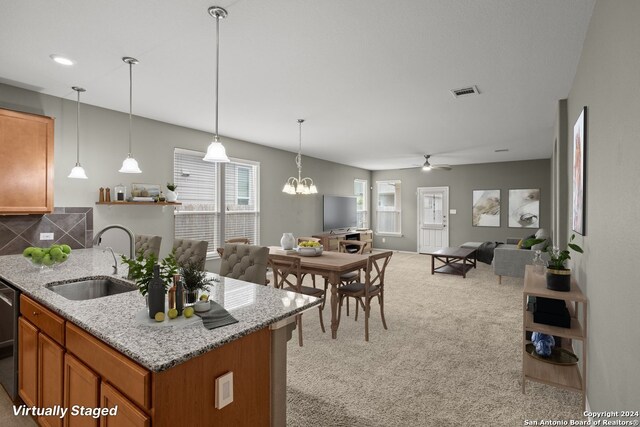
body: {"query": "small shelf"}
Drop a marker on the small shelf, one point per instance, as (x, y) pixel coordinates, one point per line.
(565, 376)
(574, 332)
(141, 203)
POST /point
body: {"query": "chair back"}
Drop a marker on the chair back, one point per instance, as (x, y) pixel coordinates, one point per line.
(284, 266)
(190, 252)
(245, 262)
(148, 245)
(244, 240)
(220, 251)
(346, 245)
(376, 266)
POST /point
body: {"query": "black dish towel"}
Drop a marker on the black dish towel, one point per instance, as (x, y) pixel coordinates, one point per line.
(216, 317)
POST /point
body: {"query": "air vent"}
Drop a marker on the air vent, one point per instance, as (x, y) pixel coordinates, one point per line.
(465, 91)
(501, 150)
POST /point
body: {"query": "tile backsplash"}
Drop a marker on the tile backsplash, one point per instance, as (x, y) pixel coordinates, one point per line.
(71, 226)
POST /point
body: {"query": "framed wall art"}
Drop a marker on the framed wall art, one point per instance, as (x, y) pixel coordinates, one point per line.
(579, 144)
(486, 208)
(524, 208)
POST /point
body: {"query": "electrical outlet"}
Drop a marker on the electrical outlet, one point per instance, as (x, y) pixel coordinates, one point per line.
(46, 236)
(384, 240)
(224, 390)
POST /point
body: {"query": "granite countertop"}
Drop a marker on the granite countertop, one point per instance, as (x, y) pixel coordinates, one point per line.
(113, 319)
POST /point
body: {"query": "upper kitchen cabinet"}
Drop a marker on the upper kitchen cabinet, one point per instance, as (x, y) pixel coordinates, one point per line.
(26, 171)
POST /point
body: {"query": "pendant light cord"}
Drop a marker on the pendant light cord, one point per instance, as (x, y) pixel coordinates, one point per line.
(299, 156)
(130, 103)
(78, 132)
(217, 71)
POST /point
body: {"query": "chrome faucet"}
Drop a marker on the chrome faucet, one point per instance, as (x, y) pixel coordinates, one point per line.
(132, 239)
(115, 261)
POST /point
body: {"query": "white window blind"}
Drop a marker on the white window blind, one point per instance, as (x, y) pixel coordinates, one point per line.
(388, 211)
(198, 217)
(242, 194)
(360, 191)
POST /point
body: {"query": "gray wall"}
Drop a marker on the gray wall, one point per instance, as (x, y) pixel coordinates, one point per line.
(462, 180)
(559, 187)
(104, 141)
(608, 83)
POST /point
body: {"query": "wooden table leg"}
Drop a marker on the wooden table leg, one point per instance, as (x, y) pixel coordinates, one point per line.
(464, 267)
(334, 306)
(432, 263)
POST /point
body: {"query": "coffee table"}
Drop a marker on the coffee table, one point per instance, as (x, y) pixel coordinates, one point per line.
(456, 260)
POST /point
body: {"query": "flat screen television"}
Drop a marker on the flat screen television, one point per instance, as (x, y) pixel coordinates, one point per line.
(339, 212)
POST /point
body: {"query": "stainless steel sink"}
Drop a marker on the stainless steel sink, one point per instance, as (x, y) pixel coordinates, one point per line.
(85, 289)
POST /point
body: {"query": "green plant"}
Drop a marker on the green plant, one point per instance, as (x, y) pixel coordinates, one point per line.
(141, 270)
(171, 186)
(557, 257)
(193, 277)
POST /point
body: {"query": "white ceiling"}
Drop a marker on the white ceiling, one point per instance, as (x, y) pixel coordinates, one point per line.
(372, 78)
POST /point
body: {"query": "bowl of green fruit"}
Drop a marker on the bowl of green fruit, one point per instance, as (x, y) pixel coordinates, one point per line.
(47, 257)
(309, 248)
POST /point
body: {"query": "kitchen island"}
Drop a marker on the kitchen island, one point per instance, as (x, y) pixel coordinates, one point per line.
(164, 375)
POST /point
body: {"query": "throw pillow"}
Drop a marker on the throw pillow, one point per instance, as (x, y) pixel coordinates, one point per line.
(524, 242)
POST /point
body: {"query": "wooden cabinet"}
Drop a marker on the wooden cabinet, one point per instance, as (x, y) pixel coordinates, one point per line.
(26, 150)
(128, 414)
(27, 362)
(568, 377)
(50, 368)
(82, 388)
(329, 241)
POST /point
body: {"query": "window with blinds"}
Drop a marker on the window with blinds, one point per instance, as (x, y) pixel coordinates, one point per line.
(200, 215)
(388, 211)
(242, 212)
(360, 191)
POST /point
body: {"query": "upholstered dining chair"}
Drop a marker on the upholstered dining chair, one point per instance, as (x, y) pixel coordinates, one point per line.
(287, 276)
(372, 287)
(351, 247)
(148, 245)
(190, 251)
(245, 262)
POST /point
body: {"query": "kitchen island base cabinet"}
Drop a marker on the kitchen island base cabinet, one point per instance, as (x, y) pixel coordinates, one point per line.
(81, 387)
(27, 362)
(128, 414)
(185, 394)
(50, 381)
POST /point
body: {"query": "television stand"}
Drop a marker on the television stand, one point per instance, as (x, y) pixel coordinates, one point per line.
(330, 240)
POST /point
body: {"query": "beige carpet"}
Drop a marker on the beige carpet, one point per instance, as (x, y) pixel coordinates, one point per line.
(451, 357)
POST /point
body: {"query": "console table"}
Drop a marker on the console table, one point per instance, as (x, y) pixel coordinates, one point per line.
(330, 240)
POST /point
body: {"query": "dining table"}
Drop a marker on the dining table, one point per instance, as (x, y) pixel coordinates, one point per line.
(330, 265)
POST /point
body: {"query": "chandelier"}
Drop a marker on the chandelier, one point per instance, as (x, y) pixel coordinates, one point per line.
(299, 185)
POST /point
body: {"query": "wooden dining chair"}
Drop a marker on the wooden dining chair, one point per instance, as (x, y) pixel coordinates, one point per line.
(313, 276)
(351, 247)
(372, 287)
(287, 276)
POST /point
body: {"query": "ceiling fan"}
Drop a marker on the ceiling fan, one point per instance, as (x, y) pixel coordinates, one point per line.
(427, 166)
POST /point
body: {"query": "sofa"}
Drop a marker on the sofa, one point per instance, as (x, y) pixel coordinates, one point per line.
(510, 259)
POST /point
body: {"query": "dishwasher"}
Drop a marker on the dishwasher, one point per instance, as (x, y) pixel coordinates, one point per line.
(9, 311)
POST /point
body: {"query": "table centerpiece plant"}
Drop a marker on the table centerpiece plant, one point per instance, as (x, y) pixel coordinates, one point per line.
(558, 275)
(193, 279)
(141, 270)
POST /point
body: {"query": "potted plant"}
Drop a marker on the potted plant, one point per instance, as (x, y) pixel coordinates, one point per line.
(558, 275)
(194, 279)
(171, 196)
(141, 270)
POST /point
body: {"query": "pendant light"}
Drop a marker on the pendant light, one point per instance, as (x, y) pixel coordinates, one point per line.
(130, 165)
(78, 171)
(216, 152)
(299, 185)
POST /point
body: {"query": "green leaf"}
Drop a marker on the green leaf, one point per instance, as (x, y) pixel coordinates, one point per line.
(576, 248)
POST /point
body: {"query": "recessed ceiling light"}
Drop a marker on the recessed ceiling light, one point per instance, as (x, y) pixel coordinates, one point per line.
(62, 60)
(501, 150)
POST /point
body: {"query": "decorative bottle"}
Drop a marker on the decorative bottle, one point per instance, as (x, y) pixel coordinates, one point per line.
(539, 264)
(287, 241)
(177, 280)
(155, 289)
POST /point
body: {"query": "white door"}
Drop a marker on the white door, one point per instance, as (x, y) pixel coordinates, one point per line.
(433, 229)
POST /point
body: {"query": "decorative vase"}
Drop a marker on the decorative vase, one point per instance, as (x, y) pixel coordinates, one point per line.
(155, 290)
(287, 241)
(190, 297)
(559, 279)
(171, 196)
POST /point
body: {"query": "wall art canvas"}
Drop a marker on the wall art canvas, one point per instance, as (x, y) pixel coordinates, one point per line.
(486, 208)
(524, 208)
(145, 190)
(579, 143)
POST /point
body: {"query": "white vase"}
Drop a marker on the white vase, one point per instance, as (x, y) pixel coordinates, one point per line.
(287, 241)
(172, 196)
